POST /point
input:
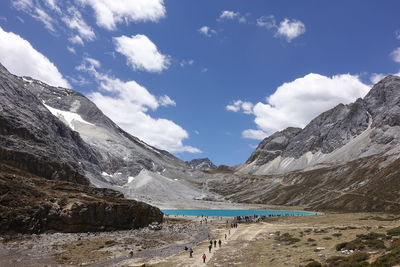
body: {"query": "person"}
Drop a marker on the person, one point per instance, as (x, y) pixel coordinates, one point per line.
(209, 248)
(219, 243)
(204, 258)
(191, 253)
(215, 243)
(225, 236)
(131, 254)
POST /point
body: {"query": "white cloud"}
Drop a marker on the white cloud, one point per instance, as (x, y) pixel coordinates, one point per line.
(110, 13)
(75, 21)
(296, 103)
(166, 101)
(397, 34)
(52, 4)
(377, 77)
(287, 28)
(20, 58)
(291, 29)
(93, 62)
(141, 53)
(76, 40)
(71, 50)
(127, 104)
(204, 70)
(188, 62)
(36, 11)
(267, 22)
(396, 55)
(207, 31)
(227, 14)
(239, 105)
(254, 134)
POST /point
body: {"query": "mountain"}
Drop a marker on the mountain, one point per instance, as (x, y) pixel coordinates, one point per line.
(38, 151)
(99, 150)
(367, 127)
(201, 164)
(347, 158)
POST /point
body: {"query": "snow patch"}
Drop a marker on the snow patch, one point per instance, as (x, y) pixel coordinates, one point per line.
(67, 117)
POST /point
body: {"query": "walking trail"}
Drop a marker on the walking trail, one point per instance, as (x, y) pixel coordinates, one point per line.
(183, 259)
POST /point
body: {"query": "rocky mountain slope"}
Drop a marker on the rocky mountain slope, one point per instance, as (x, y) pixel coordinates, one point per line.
(347, 158)
(36, 143)
(86, 142)
(369, 126)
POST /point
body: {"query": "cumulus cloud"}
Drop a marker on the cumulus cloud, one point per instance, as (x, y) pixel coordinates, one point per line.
(396, 55)
(141, 53)
(20, 58)
(127, 103)
(287, 28)
(207, 31)
(296, 103)
(110, 13)
(291, 29)
(239, 105)
(231, 15)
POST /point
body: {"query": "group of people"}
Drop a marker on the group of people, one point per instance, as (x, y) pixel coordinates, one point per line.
(204, 257)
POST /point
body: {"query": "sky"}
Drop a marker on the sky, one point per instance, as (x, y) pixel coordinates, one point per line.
(205, 78)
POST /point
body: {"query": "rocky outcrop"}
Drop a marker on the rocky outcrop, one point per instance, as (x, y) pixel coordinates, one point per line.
(32, 204)
(201, 164)
(273, 146)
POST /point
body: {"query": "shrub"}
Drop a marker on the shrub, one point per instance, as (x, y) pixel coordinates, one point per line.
(394, 231)
(314, 264)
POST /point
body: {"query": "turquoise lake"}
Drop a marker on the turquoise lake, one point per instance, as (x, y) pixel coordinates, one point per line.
(233, 213)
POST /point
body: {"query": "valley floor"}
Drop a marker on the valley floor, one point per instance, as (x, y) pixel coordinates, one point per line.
(284, 241)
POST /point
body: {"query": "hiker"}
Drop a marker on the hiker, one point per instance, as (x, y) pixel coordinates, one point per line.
(209, 248)
(215, 243)
(225, 236)
(219, 243)
(211, 242)
(204, 258)
(191, 253)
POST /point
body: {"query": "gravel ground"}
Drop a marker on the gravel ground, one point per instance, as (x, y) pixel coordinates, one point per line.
(101, 249)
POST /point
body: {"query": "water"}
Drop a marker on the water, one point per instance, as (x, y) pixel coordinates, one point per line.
(233, 213)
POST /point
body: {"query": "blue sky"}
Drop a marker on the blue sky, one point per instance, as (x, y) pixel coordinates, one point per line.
(191, 76)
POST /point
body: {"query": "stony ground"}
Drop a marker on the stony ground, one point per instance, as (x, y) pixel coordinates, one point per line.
(285, 241)
(100, 249)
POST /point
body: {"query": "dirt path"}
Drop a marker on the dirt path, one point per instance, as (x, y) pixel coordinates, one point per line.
(183, 259)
